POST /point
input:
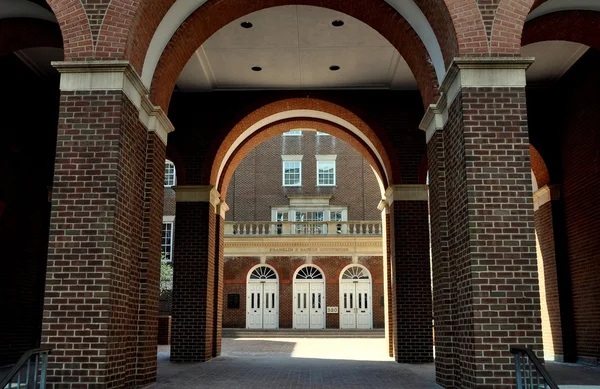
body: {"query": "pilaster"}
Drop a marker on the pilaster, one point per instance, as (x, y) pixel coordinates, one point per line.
(482, 220)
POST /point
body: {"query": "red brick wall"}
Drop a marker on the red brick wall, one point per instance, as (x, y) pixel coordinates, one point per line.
(492, 242)
(581, 188)
(413, 336)
(193, 282)
(95, 240)
(236, 272)
(257, 181)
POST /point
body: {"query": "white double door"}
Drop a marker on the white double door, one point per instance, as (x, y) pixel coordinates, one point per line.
(262, 305)
(356, 305)
(309, 305)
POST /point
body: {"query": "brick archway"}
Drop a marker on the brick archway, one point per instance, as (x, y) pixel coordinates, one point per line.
(286, 125)
(23, 33)
(538, 166)
(75, 27)
(372, 142)
(558, 26)
(211, 17)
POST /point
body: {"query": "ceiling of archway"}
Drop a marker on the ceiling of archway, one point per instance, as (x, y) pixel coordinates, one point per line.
(295, 46)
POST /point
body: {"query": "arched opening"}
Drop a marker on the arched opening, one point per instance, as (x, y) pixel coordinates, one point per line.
(356, 298)
(309, 298)
(262, 298)
(31, 39)
(564, 38)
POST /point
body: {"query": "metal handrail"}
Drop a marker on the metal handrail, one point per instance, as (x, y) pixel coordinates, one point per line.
(35, 376)
(525, 375)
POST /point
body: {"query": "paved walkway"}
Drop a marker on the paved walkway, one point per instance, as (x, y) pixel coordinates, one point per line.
(574, 376)
(296, 363)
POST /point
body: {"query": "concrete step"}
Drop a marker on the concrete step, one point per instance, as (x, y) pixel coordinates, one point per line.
(294, 333)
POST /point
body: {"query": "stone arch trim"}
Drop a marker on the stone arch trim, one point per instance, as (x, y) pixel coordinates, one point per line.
(375, 135)
(75, 27)
(23, 33)
(538, 166)
(278, 128)
(212, 16)
(559, 26)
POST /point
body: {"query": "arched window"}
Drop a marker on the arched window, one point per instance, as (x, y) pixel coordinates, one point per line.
(355, 273)
(309, 273)
(263, 273)
(169, 174)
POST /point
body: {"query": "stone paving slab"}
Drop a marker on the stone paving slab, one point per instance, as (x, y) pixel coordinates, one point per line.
(297, 363)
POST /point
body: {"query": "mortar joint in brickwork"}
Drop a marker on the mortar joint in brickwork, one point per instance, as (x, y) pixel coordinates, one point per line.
(115, 75)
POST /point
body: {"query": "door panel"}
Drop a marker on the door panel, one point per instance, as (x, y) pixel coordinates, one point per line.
(271, 305)
(301, 305)
(364, 308)
(317, 305)
(254, 313)
(356, 305)
(348, 319)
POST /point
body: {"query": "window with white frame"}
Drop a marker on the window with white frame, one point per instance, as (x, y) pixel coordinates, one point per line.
(292, 170)
(293, 133)
(169, 173)
(326, 173)
(167, 241)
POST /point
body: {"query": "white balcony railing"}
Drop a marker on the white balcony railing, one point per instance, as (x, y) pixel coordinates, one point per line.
(361, 228)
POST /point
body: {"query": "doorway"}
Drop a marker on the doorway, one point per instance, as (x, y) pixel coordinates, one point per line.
(309, 298)
(262, 298)
(356, 298)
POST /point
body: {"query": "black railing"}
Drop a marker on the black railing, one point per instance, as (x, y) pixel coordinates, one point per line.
(29, 372)
(530, 373)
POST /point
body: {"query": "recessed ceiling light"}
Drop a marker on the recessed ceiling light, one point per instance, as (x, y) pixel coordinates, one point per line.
(256, 68)
(246, 25)
(334, 68)
(337, 23)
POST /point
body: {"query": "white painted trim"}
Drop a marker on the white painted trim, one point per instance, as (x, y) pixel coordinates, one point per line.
(168, 218)
(222, 209)
(347, 281)
(295, 281)
(406, 193)
(182, 9)
(334, 172)
(326, 157)
(551, 6)
(115, 75)
(197, 194)
(545, 194)
(283, 162)
(287, 157)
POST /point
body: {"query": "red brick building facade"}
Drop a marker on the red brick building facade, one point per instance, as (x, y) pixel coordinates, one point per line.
(510, 146)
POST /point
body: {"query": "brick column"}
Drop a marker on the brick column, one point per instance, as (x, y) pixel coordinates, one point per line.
(487, 177)
(388, 276)
(222, 208)
(443, 279)
(151, 260)
(194, 274)
(555, 276)
(410, 249)
(98, 319)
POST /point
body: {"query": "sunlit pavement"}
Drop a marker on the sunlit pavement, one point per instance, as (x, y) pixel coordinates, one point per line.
(297, 363)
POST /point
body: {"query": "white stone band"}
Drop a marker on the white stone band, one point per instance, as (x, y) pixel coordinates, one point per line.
(496, 72)
(115, 75)
(544, 195)
(197, 194)
(406, 193)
